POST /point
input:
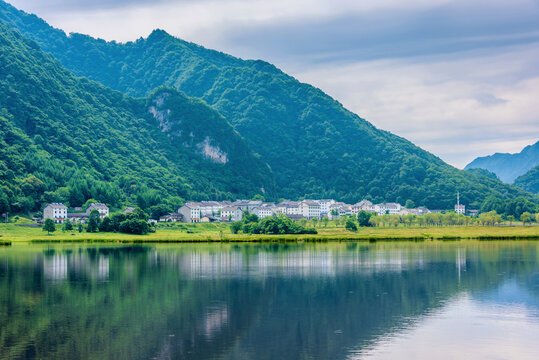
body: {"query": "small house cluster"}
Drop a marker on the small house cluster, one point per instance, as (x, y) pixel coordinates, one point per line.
(229, 211)
(211, 211)
(58, 213)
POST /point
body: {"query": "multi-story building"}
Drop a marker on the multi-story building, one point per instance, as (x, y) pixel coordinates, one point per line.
(310, 209)
(190, 212)
(387, 208)
(325, 205)
(55, 211)
(100, 207)
(231, 213)
(460, 209)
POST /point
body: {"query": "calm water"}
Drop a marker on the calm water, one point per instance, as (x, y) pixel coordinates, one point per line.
(467, 300)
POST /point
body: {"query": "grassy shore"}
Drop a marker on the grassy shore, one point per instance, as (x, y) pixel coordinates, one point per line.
(10, 233)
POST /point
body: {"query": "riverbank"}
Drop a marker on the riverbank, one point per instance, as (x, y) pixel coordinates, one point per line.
(10, 234)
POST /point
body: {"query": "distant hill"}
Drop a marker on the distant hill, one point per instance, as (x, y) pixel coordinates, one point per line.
(509, 166)
(315, 147)
(64, 138)
(529, 181)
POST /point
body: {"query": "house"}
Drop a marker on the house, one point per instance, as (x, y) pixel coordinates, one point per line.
(55, 211)
(209, 208)
(460, 209)
(208, 219)
(191, 212)
(265, 210)
(387, 208)
(473, 213)
(171, 217)
(78, 217)
(325, 205)
(100, 207)
(253, 204)
(231, 213)
(310, 209)
(128, 210)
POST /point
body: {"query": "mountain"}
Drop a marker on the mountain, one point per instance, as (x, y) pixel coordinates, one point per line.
(509, 166)
(64, 138)
(529, 181)
(315, 147)
(483, 172)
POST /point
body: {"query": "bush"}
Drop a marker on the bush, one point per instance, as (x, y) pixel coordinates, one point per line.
(351, 225)
(135, 226)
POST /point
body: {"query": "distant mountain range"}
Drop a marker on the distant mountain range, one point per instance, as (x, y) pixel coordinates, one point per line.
(183, 122)
(509, 166)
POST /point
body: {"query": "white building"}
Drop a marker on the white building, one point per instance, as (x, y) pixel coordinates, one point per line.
(310, 209)
(55, 211)
(231, 213)
(265, 210)
(209, 208)
(190, 212)
(325, 205)
(100, 207)
(387, 208)
(460, 209)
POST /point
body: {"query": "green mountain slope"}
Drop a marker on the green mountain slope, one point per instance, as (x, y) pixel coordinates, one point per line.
(509, 166)
(529, 181)
(68, 139)
(315, 147)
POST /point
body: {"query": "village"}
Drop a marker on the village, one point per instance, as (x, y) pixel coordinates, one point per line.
(231, 211)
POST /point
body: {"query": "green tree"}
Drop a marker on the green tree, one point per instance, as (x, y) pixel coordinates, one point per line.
(80, 228)
(510, 218)
(49, 226)
(93, 222)
(351, 225)
(68, 226)
(525, 217)
(409, 204)
(363, 218)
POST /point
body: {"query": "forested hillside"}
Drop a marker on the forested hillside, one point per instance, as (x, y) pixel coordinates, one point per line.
(69, 139)
(529, 181)
(315, 147)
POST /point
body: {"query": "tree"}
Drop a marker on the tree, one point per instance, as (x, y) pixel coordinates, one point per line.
(351, 225)
(363, 218)
(106, 225)
(68, 226)
(409, 204)
(525, 217)
(80, 228)
(537, 217)
(49, 226)
(235, 227)
(135, 226)
(93, 222)
(511, 218)
(325, 221)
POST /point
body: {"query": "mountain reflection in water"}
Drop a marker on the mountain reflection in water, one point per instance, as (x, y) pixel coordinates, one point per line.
(271, 301)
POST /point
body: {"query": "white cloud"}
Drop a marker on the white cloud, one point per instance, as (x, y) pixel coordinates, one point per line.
(439, 103)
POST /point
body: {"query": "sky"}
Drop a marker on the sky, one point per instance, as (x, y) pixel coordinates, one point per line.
(460, 78)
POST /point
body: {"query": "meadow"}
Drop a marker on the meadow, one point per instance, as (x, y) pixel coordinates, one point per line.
(220, 232)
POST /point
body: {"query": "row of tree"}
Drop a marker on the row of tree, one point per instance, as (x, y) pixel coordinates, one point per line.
(272, 225)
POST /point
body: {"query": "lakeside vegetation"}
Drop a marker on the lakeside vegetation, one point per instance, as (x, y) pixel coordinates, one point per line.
(215, 232)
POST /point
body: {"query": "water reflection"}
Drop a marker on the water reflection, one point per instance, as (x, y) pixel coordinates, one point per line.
(270, 301)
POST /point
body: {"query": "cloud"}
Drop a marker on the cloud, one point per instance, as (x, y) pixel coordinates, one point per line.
(457, 107)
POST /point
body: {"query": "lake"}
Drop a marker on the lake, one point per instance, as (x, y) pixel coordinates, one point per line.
(347, 300)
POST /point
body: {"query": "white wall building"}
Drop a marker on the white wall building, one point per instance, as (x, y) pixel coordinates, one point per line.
(55, 211)
(460, 209)
(325, 205)
(387, 208)
(100, 207)
(310, 209)
(190, 212)
(231, 213)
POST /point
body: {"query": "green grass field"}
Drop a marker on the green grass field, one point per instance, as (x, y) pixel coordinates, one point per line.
(10, 233)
